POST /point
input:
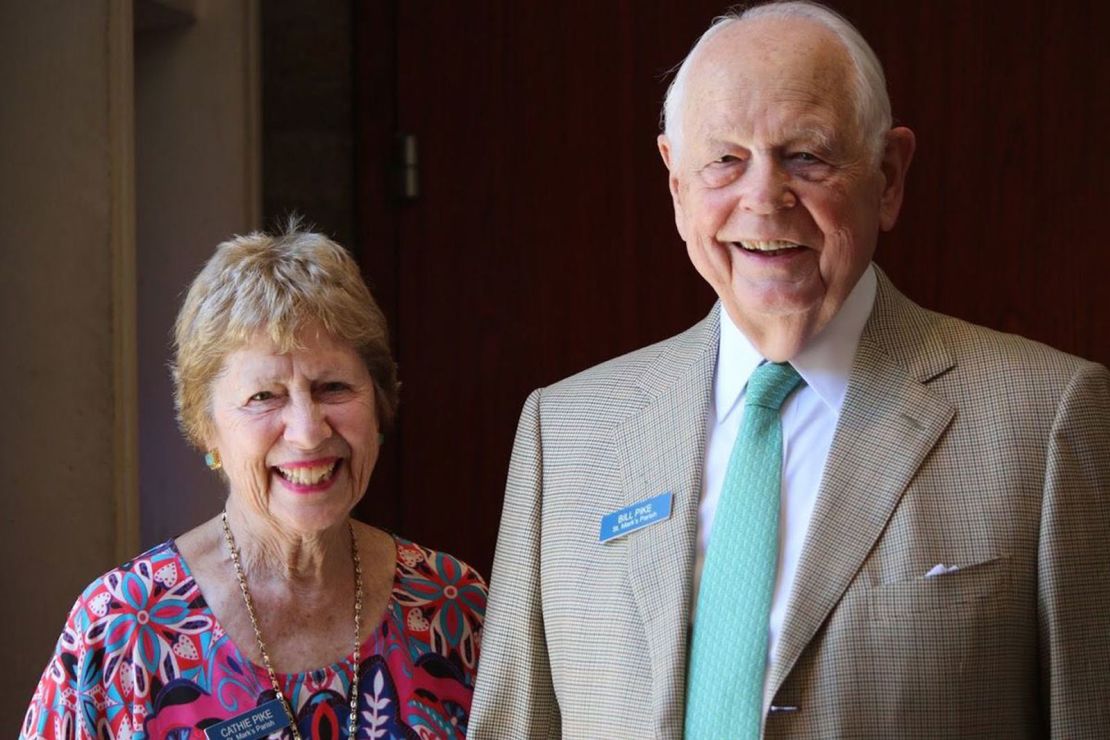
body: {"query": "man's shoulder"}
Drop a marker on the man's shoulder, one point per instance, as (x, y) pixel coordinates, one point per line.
(999, 351)
(633, 373)
(918, 336)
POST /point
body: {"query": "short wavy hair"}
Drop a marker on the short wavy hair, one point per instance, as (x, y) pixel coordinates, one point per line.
(277, 284)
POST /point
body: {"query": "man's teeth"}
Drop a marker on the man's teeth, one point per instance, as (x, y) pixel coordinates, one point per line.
(768, 245)
(308, 476)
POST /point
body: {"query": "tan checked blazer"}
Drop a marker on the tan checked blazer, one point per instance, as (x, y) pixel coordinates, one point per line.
(956, 445)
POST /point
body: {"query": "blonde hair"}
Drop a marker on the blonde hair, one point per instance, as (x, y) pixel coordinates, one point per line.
(274, 284)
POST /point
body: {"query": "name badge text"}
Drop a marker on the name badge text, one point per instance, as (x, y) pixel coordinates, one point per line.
(261, 721)
(637, 516)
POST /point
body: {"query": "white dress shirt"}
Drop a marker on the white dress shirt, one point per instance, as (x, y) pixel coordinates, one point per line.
(809, 419)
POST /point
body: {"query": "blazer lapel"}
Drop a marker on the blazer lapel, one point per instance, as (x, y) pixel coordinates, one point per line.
(888, 424)
(661, 449)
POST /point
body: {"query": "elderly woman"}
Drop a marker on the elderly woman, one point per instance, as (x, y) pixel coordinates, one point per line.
(281, 614)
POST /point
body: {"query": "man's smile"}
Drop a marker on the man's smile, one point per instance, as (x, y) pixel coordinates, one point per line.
(767, 247)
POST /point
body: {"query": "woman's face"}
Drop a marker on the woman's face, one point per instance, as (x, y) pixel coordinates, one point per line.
(297, 433)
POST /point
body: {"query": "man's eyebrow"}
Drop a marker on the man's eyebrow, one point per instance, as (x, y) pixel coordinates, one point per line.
(716, 144)
(816, 135)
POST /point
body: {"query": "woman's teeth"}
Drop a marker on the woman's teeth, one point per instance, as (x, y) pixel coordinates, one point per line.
(768, 245)
(308, 476)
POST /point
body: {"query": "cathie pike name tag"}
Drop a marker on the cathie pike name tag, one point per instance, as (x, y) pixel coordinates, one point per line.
(637, 516)
(263, 720)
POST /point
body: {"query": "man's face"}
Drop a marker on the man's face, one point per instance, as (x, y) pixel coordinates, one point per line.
(777, 195)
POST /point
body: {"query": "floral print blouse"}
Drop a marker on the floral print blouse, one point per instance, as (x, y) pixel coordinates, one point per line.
(143, 656)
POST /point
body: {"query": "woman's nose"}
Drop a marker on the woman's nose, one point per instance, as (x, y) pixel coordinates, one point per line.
(306, 426)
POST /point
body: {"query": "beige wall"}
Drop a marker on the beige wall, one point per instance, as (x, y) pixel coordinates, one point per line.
(69, 213)
(64, 142)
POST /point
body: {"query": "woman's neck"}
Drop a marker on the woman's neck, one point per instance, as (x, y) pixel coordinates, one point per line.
(269, 550)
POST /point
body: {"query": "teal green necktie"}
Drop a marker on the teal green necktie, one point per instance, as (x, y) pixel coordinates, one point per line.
(728, 659)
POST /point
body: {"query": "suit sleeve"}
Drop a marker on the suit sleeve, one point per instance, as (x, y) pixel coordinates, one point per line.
(1074, 560)
(514, 697)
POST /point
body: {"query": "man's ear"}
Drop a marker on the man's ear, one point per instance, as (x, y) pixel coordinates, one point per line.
(667, 153)
(897, 155)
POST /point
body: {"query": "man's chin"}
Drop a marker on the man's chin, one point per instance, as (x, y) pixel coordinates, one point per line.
(777, 301)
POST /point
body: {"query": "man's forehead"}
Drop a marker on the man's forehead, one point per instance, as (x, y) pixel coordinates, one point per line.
(735, 98)
(795, 55)
(789, 75)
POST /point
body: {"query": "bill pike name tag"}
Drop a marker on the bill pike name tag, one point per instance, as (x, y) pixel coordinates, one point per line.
(637, 516)
(263, 720)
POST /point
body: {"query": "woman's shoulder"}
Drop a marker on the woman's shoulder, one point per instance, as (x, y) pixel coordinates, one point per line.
(129, 631)
(137, 584)
(138, 605)
(421, 565)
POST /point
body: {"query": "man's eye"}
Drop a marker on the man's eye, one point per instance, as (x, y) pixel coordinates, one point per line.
(806, 157)
(721, 171)
(335, 386)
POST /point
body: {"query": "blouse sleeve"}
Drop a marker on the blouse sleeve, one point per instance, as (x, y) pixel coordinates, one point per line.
(53, 710)
(86, 690)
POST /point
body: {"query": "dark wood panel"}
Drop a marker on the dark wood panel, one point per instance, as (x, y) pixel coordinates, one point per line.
(376, 216)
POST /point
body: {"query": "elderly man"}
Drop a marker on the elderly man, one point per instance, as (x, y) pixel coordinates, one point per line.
(823, 511)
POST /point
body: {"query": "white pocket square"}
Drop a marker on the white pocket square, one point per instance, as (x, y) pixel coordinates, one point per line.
(940, 569)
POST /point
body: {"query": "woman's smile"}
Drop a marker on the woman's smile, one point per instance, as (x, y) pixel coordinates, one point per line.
(310, 476)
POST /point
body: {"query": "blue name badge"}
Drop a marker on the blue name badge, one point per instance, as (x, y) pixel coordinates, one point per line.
(637, 516)
(261, 721)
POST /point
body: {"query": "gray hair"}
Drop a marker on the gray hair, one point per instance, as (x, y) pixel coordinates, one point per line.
(871, 100)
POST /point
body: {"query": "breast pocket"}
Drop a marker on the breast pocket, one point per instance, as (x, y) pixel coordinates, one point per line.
(947, 594)
(949, 652)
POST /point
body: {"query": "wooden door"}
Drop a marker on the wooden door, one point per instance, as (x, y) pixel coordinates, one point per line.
(543, 242)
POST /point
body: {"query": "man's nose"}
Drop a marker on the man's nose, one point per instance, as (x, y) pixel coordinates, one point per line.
(765, 188)
(306, 425)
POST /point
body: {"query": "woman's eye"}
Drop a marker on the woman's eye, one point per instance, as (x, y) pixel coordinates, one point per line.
(804, 157)
(333, 387)
(262, 396)
(727, 159)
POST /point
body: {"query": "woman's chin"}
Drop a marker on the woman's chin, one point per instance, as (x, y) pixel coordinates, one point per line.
(297, 520)
(310, 512)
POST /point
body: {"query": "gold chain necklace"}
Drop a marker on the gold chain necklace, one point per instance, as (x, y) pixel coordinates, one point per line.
(352, 720)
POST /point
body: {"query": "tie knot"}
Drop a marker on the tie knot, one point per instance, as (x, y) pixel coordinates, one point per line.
(770, 384)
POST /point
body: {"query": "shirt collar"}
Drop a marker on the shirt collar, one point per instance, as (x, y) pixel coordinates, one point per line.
(825, 364)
